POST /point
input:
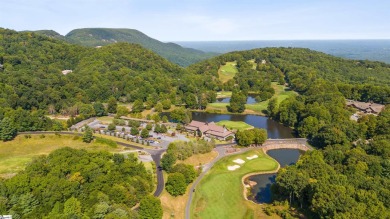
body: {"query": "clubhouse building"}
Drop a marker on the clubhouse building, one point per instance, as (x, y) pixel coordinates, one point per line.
(368, 108)
(210, 130)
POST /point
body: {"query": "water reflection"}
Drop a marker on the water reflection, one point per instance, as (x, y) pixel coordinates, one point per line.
(261, 192)
(251, 99)
(274, 129)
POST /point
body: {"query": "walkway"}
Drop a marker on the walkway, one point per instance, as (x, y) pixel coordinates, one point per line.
(290, 143)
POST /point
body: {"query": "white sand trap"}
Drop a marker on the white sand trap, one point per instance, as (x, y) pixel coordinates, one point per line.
(231, 168)
(239, 161)
(252, 157)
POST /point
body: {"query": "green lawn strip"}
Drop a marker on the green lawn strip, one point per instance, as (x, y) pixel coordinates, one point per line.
(227, 71)
(254, 64)
(236, 125)
(113, 138)
(106, 119)
(224, 94)
(220, 192)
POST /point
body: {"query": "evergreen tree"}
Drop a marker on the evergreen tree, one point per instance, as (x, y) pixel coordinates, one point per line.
(145, 133)
(112, 105)
(88, 135)
(134, 131)
(7, 129)
(138, 106)
(237, 102)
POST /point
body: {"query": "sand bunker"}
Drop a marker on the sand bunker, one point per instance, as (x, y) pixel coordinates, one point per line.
(231, 168)
(252, 157)
(239, 161)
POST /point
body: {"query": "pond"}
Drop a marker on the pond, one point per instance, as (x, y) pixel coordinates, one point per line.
(251, 99)
(274, 129)
(261, 192)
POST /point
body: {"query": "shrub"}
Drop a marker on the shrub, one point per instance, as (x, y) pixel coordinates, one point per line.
(176, 184)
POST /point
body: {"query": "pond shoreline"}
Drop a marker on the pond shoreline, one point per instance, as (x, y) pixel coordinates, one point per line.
(246, 176)
(271, 146)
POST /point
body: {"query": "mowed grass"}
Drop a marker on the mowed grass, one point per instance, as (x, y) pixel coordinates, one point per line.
(224, 94)
(16, 154)
(174, 207)
(236, 125)
(106, 119)
(227, 71)
(220, 193)
(281, 93)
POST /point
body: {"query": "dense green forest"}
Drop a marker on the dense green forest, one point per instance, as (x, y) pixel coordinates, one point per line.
(72, 183)
(348, 176)
(93, 37)
(31, 75)
(355, 79)
(352, 157)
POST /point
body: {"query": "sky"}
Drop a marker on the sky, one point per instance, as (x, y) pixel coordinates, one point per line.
(207, 20)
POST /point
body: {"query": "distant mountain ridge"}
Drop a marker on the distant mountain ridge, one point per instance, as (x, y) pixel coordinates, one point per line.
(93, 37)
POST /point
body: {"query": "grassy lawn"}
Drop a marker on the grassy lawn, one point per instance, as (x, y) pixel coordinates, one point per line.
(281, 93)
(106, 119)
(175, 206)
(124, 141)
(254, 64)
(220, 193)
(224, 94)
(236, 125)
(17, 153)
(227, 71)
(197, 159)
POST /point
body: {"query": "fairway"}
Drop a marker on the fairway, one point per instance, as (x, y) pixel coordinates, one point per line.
(220, 193)
(176, 205)
(16, 154)
(235, 125)
(227, 71)
(281, 93)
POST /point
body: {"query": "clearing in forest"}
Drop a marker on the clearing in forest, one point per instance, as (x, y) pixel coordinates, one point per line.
(227, 71)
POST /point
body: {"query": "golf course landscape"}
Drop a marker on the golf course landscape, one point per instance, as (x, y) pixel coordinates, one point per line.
(281, 93)
(227, 71)
(220, 194)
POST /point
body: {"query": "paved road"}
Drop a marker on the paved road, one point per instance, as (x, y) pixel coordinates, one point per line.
(156, 155)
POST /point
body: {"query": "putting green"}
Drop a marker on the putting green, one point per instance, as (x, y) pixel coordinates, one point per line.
(236, 125)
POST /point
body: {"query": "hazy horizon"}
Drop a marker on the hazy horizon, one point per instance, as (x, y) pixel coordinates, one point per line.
(204, 20)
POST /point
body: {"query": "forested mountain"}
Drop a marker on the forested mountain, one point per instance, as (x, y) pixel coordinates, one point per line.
(345, 178)
(50, 33)
(93, 37)
(31, 74)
